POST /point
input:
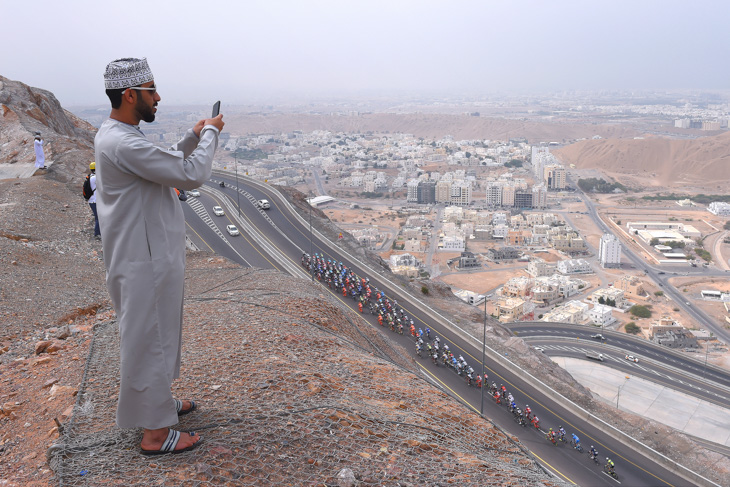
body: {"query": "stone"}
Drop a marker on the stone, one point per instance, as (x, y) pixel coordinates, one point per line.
(40, 360)
(346, 478)
(9, 408)
(67, 413)
(49, 383)
(41, 346)
(54, 347)
(56, 390)
(63, 333)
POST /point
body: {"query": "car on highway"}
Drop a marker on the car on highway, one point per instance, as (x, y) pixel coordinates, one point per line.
(631, 358)
(598, 336)
(232, 230)
(218, 211)
(539, 349)
(662, 272)
(263, 204)
(194, 192)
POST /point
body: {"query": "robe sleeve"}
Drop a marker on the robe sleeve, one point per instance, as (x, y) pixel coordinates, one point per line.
(173, 167)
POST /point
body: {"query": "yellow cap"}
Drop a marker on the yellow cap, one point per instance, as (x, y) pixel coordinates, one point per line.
(92, 166)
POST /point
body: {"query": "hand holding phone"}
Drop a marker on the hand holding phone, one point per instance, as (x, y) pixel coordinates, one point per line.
(216, 109)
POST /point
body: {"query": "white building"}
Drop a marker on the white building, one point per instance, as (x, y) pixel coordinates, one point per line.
(609, 251)
(461, 193)
(719, 208)
(494, 194)
(601, 315)
(574, 266)
(539, 196)
(412, 196)
(500, 231)
(452, 244)
(538, 268)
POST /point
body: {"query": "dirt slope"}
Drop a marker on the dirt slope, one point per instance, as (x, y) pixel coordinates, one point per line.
(655, 162)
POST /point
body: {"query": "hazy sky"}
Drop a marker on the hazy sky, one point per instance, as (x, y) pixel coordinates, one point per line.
(250, 51)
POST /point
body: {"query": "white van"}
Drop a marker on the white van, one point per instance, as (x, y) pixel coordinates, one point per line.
(263, 204)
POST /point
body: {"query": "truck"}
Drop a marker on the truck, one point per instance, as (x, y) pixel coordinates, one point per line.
(594, 356)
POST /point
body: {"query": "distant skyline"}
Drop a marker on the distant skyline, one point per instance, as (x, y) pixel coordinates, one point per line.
(254, 51)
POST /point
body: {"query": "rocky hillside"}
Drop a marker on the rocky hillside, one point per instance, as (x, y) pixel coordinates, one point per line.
(656, 162)
(25, 110)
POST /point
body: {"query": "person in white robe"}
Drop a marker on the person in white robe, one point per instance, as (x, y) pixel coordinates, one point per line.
(144, 249)
(40, 157)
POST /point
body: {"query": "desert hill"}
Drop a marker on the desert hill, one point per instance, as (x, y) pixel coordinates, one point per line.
(423, 125)
(655, 161)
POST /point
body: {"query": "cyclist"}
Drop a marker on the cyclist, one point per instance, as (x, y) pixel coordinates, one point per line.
(479, 381)
(609, 465)
(577, 441)
(510, 398)
(594, 453)
(536, 422)
(528, 411)
(551, 435)
(428, 333)
(561, 430)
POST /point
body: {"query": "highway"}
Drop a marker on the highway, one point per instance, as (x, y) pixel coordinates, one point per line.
(276, 239)
(657, 364)
(662, 277)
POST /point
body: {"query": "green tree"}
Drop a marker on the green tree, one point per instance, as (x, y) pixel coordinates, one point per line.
(601, 300)
(640, 311)
(659, 293)
(611, 302)
(632, 328)
(727, 225)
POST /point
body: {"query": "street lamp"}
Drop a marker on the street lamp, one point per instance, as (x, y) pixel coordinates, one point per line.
(484, 345)
(238, 197)
(311, 266)
(618, 392)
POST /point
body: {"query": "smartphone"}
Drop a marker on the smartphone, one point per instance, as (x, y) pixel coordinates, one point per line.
(216, 109)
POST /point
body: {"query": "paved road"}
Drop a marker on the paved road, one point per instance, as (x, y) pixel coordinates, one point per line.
(288, 236)
(662, 278)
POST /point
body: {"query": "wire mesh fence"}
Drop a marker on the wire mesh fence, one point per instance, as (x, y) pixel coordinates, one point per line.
(293, 389)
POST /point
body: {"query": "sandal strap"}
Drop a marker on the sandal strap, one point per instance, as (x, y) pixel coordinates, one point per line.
(178, 405)
(171, 442)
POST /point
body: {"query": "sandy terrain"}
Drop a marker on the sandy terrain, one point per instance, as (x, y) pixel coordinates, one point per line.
(479, 282)
(655, 162)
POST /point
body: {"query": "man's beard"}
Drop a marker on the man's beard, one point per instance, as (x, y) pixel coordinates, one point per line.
(145, 111)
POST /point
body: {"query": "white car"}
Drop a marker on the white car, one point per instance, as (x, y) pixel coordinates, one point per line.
(194, 192)
(539, 349)
(631, 358)
(232, 230)
(263, 204)
(218, 211)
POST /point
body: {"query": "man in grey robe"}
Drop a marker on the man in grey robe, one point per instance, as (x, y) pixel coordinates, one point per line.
(144, 248)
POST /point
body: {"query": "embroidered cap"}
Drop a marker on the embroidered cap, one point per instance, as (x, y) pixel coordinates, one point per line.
(127, 72)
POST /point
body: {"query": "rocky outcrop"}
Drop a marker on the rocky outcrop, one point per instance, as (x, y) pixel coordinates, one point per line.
(24, 110)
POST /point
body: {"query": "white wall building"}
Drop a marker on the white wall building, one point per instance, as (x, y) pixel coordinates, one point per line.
(601, 315)
(452, 244)
(574, 266)
(609, 251)
(719, 208)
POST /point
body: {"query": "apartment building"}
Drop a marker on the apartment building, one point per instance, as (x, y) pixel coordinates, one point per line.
(443, 192)
(554, 176)
(609, 251)
(574, 266)
(538, 268)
